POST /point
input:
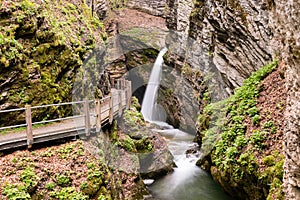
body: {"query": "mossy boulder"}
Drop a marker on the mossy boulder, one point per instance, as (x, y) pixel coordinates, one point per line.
(43, 44)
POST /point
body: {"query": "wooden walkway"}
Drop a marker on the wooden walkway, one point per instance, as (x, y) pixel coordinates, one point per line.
(91, 116)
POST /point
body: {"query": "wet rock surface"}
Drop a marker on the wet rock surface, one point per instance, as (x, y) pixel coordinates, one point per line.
(286, 18)
(240, 37)
(42, 47)
(153, 7)
(158, 163)
(235, 34)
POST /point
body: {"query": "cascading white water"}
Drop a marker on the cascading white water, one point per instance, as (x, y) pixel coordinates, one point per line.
(187, 181)
(149, 102)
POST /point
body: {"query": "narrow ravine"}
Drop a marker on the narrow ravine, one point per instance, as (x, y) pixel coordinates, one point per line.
(188, 181)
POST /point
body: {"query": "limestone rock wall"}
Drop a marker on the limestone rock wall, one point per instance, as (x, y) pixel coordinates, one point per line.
(100, 7)
(181, 9)
(236, 34)
(287, 20)
(154, 7)
(238, 37)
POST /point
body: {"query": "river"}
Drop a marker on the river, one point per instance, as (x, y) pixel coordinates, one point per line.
(187, 182)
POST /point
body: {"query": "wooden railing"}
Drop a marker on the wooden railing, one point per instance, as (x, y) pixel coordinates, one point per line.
(93, 114)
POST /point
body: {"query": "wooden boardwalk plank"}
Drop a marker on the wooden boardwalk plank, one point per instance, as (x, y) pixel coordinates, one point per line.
(70, 127)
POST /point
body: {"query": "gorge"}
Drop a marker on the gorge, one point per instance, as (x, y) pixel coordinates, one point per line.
(232, 81)
(186, 179)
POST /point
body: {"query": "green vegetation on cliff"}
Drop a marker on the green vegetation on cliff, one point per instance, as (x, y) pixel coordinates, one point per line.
(242, 136)
(64, 172)
(105, 166)
(42, 44)
(133, 135)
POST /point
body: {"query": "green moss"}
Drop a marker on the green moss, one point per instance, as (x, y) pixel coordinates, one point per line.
(144, 145)
(238, 106)
(68, 193)
(50, 186)
(224, 134)
(132, 116)
(29, 181)
(29, 7)
(16, 191)
(96, 179)
(29, 178)
(50, 54)
(129, 144)
(276, 191)
(255, 119)
(63, 179)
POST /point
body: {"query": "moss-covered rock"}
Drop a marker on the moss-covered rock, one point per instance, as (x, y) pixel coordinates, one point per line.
(66, 171)
(242, 137)
(42, 45)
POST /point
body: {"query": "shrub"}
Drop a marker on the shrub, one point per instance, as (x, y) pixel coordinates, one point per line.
(63, 180)
(255, 119)
(269, 160)
(50, 186)
(29, 177)
(68, 193)
(16, 192)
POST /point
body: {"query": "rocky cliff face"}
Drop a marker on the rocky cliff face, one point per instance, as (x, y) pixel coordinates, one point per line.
(240, 37)
(100, 7)
(233, 38)
(236, 34)
(154, 7)
(178, 14)
(287, 20)
(42, 45)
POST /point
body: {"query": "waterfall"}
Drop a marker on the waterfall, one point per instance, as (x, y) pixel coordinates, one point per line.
(187, 181)
(149, 106)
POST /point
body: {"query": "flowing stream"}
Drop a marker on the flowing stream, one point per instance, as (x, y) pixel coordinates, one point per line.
(187, 182)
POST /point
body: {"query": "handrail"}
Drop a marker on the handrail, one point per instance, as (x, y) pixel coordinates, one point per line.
(12, 110)
(57, 104)
(15, 126)
(105, 109)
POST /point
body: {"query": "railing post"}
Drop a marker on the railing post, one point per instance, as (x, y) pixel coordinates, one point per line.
(120, 103)
(29, 126)
(118, 84)
(123, 84)
(129, 94)
(111, 110)
(87, 121)
(112, 82)
(98, 115)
